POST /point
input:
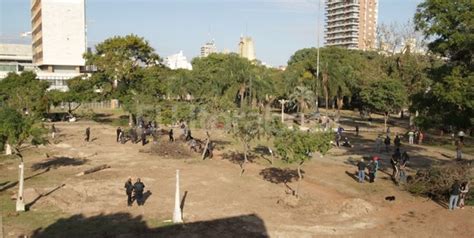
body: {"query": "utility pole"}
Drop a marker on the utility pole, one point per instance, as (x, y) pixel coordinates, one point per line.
(282, 102)
(317, 60)
(20, 203)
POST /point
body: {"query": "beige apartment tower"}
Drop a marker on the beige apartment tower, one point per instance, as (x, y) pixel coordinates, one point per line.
(351, 23)
(58, 34)
(247, 48)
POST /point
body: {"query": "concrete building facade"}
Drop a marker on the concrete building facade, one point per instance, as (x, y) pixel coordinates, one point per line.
(351, 23)
(208, 48)
(58, 34)
(58, 40)
(177, 61)
(15, 58)
(247, 48)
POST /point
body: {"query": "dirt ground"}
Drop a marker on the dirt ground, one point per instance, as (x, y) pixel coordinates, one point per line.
(216, 200)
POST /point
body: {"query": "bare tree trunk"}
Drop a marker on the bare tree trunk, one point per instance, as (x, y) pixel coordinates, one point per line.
(385, 119)
(340, 103)
(326, 93)
(302, 112)
(242, 95)
(130, 119)
(242, 166)
(8, 149)
(300, 177)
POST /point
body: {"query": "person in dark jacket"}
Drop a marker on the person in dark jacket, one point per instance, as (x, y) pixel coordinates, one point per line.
(372, 168)
(397, 142)
(454, 195)
(170, 134)
(138, 188)
(119, 130)
(361, 167)
(395, 162)
(143, 138)
(387, 144)
(128, 190)
(88, 134)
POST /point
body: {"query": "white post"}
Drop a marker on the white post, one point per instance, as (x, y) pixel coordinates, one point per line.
(177, 217)
(20, 204)
(8, 149)
(282, 102)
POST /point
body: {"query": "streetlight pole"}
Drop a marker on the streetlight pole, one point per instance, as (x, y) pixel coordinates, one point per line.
(317, 60)
(20, 203)
(282, 102)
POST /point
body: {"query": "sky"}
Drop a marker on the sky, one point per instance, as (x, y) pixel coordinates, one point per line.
(278, 27)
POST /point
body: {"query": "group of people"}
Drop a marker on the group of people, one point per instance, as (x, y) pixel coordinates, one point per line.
(339, 139)
(134, 191)
(399, 163)
(415, 134)
(372, 168)
(458, 194)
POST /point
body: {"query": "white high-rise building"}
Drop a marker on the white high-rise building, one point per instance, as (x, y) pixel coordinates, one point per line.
(177, 61)
(247, 48)
(58, 39)
(208, 48)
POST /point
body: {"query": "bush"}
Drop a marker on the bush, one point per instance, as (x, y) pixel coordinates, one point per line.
(436, 182)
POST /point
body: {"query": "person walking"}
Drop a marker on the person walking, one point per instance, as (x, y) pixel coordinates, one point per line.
(387, 144)
(403, 172)
(357, 130)
(119, 130)
(454, 195)
(376, 160)
(464, 190)
(170, 135)
(397, 142)
(420, 137)
(361, 173)
(128, 190)
(372, 168)
(53, 131)
(411, 137)
(88, 134)
(138, 188)
(395, 161)
(143, 138)
(459, 146)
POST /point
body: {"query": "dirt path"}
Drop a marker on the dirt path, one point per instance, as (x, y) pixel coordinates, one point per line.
(331, 204)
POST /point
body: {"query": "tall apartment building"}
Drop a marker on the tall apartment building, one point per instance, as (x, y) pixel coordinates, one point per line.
(208, 48)
(246, 48)
(351, 23)
(58, 34)
(58, 40)
(177, 61)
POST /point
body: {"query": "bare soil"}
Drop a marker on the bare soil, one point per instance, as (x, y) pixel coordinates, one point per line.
(218, 201)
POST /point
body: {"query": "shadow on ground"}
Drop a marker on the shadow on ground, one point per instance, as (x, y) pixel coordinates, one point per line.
(57, 162)
(278, 175)
(125, 225)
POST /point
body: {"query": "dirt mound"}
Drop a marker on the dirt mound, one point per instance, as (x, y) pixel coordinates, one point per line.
(171, 150)
(355, 207)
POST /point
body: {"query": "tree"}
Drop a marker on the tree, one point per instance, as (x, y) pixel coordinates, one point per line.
(80, 90)
(387, 96)
(303, 97)
(450, 25)
(248, 128)
(24, 92)
(120, 63)
(296, 146)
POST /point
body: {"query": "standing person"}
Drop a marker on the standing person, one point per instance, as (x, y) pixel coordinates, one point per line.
(464, 190)
(420, 137)
(170, 134)
(357, 130)
(88, 134)
(53, 131)
(188, 135)
(459, 146)
(122, 137)
(454, 195)
(395, 161)
(338, 139)
(461, 135)
(361, 167)
(411, 137)
(376, 160)
(388, 130)
(387, 144)
(397, 142)
(138, 187)
(143, 138)
(403, 168)
(378, 143)
(372, 168)
(128, 190)
(119, 130)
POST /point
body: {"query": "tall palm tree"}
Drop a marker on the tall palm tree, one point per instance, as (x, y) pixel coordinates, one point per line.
(303, 97)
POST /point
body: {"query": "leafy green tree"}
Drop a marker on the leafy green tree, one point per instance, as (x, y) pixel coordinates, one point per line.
(387, 96)
(247, 128)
(296, 146)
(450, 25)
(24, 92)
(304, 98)
(120, 63)
(79, 91)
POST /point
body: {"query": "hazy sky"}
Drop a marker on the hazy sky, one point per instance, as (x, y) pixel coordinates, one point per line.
(278, 27)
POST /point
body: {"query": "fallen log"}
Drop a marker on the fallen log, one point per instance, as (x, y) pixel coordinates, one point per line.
(94, 169)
